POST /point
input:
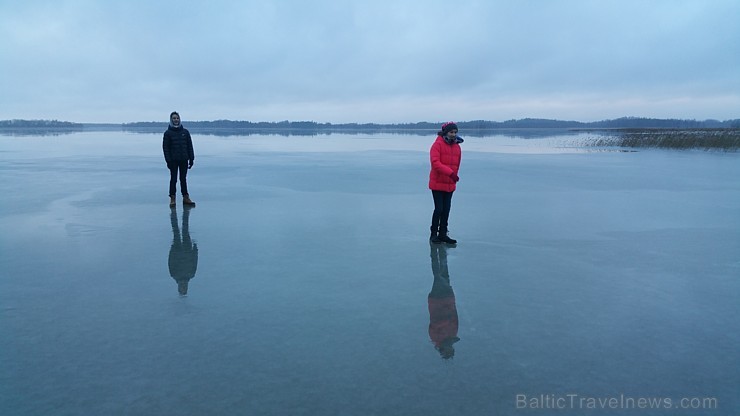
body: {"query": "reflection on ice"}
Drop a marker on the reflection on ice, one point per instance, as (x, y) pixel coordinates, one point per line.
(183, 258)
(443, 321)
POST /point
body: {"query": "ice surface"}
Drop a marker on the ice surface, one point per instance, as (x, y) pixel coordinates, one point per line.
(592, 273)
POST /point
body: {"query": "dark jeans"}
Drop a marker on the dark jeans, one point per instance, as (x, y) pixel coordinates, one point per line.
(181, 166)
(442, 202)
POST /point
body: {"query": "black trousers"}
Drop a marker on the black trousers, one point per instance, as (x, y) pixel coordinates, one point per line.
(182, 168)
(442, 202)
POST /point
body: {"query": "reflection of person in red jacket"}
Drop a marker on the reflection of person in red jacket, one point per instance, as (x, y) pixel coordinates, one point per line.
(443, 322)
(444, 156)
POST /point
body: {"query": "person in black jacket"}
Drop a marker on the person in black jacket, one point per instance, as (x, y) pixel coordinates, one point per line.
(178, 153)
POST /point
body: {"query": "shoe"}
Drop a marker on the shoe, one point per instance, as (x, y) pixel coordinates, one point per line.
(186, 201)
(443, 237)
(434, 239)
(172, 202)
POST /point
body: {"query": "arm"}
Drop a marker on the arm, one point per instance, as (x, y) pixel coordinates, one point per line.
(166, 147)
(191, 153)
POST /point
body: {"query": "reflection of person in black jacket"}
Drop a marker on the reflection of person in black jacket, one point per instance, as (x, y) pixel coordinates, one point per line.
(443, 323)
(183, 259)
(177, 146)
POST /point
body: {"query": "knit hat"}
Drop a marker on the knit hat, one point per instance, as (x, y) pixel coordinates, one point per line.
(448, 127)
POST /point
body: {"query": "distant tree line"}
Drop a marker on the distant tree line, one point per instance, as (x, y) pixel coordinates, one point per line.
(526, 123)
(40, 124)
(312, 126)
(38, 127)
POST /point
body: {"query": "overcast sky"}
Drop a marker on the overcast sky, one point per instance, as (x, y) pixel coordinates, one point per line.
(369, 61)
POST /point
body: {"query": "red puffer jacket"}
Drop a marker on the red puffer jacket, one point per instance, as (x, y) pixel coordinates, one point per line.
(445, 160)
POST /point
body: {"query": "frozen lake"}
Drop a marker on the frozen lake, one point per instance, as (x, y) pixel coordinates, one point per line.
(580, 274)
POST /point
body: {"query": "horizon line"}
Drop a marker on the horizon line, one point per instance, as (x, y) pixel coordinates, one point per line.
(380, 123)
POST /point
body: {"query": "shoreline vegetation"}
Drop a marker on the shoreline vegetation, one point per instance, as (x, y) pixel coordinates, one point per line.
(626, 132)
(727, 140)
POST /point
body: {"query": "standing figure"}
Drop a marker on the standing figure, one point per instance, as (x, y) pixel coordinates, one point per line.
(177, 146)
(444, 156)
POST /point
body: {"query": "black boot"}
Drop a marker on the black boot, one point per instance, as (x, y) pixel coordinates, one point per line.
(443, 237)
(434, 238)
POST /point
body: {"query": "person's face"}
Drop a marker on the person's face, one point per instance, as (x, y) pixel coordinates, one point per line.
(175, 119)
(452, 134)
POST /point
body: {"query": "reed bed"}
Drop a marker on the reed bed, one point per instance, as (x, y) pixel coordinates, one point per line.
(727, 140)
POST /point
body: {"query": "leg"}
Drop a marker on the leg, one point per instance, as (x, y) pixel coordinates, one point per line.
(447, 204)
(173, 178)
(183, 167)
(437, 214)
(186, 201)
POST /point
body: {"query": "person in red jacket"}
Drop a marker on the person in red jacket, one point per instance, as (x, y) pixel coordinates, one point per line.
(444, 156)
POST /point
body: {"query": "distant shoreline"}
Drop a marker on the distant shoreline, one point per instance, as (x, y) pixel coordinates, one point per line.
(716, 139)
(628, 132)
(525, 123)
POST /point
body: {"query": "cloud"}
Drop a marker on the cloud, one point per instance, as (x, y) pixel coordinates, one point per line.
(368, 61)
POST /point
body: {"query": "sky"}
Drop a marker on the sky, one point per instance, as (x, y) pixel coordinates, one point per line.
(369, 61)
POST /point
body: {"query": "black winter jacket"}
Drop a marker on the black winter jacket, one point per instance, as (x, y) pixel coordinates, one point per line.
(177, 145)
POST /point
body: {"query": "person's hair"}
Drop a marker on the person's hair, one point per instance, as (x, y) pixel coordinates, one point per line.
(173, 113)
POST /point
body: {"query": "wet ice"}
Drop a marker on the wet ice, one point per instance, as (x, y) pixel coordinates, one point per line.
(594, 273)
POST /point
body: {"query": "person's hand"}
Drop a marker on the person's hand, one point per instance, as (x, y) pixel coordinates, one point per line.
(454, 177)
(190, 164)
(169, 165)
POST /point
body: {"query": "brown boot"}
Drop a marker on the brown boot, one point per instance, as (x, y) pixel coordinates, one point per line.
(172, 202)
(186, 201)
